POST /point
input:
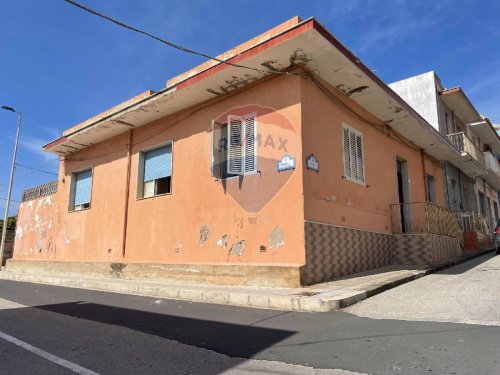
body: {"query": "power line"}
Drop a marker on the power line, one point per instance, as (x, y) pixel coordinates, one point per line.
(173, 45)
(12, 200)
(36, 169)
(31, 172)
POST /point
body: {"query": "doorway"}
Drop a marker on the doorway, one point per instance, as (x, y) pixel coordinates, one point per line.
(403, 195)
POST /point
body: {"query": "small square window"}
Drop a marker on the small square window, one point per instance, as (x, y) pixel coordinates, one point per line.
(80, 190)
(155, 172)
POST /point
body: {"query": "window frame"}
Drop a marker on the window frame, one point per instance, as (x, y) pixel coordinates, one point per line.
(72, 190)
(432, 198)
(227, 174)
(141, 165)
(350, 129)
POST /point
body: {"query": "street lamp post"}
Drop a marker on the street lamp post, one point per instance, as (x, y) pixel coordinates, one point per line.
(6, 217)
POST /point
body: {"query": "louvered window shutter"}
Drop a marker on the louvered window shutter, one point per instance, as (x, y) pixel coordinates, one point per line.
(216, 150)
(250, 151)
(359, 158)
(347, 154)
(236, 149)
(354, 167)
(352, 152)
(83, 187)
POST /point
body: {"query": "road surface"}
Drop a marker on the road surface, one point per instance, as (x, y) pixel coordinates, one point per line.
(447, 323)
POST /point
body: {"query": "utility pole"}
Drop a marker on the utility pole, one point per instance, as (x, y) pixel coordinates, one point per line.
(6, 217)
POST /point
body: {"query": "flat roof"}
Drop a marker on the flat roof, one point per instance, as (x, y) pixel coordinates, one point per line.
(292, 43)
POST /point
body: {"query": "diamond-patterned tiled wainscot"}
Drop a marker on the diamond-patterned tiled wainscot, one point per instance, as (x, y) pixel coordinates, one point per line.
(334, 251)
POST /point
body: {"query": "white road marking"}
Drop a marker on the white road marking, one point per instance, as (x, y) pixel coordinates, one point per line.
(5, 305)
(50, 357)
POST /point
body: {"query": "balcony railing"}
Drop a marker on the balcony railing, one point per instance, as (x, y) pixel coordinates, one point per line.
(40, 191)
(471, 221)
(464, 144)
(491, 162)
(424, 217)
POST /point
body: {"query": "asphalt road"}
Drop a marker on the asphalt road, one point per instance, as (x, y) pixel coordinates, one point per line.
(55, 330)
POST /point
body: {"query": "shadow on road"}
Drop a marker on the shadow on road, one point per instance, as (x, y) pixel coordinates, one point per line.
(468, 265)
(245, 341)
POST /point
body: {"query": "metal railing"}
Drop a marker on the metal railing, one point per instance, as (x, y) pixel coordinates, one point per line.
(471, 221)
(424, 217)
(40, 191)
(464, 144)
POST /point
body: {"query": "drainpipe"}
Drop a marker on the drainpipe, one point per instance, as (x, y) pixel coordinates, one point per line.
(426, 190)
(127, 191)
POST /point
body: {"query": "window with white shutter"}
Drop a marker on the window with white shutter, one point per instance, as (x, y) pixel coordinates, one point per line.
(354, 165)
(234, 147)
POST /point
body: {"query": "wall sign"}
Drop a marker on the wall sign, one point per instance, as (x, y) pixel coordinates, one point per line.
(286, 163)
(312, 163)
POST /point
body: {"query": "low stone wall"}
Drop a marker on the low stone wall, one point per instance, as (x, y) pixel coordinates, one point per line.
(425, 249)
(265, 276)
(334, 251)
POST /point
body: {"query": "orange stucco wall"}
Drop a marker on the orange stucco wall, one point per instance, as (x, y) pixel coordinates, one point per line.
(166, 229)
(294, 117)
(329, 198)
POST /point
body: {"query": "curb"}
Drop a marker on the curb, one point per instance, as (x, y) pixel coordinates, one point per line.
(300, 300)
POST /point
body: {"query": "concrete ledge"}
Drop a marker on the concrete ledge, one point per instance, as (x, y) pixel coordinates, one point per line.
(269, 298)
(317, 298)
(247, 275)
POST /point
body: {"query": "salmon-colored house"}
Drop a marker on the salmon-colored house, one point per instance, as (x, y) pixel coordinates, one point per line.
(292, 163)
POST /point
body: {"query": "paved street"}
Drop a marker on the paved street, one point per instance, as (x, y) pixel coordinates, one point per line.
(423, 327)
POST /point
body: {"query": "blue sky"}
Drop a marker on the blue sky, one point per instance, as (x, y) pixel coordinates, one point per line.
(60, 65)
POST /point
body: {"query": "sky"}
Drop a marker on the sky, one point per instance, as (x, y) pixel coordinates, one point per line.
(60, 66)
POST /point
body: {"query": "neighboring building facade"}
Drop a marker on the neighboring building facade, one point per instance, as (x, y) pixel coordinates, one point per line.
(472, 181)
(301, 167)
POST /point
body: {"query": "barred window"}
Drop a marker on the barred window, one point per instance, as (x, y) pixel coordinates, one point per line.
(354, 167)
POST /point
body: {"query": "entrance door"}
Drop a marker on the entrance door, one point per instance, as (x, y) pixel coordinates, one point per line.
(403, 195)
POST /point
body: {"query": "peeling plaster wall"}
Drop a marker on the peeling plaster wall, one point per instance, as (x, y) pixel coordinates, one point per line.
(203, 220)
(40, 229)
(330, 198)
(171, 228)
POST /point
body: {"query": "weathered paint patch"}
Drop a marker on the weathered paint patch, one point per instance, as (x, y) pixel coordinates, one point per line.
(276, 238)
(19, 232)
(356, 90)
(204, 234)
(238, 248)
(117, 269)
(222, 242)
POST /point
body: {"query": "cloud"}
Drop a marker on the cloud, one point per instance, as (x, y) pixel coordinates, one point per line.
(34, 146)
(382, 24)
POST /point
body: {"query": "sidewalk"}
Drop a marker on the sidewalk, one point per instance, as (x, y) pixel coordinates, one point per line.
(323, 297)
